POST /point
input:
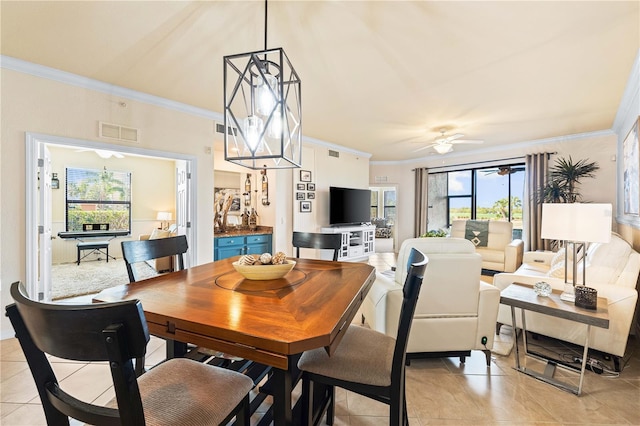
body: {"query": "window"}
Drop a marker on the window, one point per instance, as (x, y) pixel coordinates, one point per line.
(489, 193)
(374, 204)
(389, 205)
(98, 196)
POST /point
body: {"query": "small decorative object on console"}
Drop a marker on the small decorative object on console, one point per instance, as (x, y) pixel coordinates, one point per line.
(586, 297)
(542, 288)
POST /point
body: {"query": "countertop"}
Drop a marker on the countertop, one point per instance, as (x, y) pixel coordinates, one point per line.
(235, 232)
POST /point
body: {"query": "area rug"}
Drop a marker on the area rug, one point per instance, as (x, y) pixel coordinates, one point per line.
(503, 342)
(70, 279)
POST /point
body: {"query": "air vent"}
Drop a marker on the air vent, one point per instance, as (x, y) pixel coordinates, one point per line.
(381, 179)
(230, 130)
(333, 153)
(115, 131)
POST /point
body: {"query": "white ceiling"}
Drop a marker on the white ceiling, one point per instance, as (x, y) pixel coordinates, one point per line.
(378, 77)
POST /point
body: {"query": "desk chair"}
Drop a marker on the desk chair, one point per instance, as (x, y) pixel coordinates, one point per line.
(176, 392)
(367, 362)
(140, 251)
(317, 241)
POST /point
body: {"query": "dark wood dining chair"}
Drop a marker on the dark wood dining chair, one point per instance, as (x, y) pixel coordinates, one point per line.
(143, 250)
(176, 392)
(317, 241)
(366, 362)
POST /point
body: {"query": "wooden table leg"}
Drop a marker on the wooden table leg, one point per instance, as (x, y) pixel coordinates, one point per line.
(282, 387)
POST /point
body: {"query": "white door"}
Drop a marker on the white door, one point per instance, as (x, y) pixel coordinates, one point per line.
(183, 207)
(44, 225)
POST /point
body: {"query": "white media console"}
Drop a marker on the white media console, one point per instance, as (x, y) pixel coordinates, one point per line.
(358, 242)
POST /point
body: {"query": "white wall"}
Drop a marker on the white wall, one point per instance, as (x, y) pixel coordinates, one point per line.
(348, 170)
(33, 104)
(599, 147)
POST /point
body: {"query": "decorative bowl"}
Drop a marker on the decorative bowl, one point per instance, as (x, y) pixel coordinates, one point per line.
(264, 272)
(542, 288)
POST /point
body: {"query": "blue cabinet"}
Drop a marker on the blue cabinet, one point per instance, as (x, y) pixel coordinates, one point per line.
(224, 247)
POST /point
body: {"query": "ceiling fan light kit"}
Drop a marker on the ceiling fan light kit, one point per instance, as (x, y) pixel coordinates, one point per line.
(444, 144)
(443, 148)
(262, 99)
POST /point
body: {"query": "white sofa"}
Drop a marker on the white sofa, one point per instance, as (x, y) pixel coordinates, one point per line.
(456, 312)
(612, 269)
(502, 252)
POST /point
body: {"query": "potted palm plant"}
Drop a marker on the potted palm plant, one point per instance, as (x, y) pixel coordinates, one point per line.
(564, 180)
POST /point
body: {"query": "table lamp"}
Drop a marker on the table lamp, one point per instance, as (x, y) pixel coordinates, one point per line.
(576, 224)
(163, 217)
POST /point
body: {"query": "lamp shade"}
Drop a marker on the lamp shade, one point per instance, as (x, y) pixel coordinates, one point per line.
(163, 216)
(577, 222)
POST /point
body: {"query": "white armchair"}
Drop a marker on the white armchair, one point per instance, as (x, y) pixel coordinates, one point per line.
(456, 312)
(500, 252)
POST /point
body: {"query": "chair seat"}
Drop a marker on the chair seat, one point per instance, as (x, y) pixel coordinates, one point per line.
(185, 392)
(363, 356)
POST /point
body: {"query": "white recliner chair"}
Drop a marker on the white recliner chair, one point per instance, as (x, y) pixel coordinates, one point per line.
(456, 312)
(500, 252)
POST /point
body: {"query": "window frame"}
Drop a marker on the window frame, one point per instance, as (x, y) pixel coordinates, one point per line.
(75, 201)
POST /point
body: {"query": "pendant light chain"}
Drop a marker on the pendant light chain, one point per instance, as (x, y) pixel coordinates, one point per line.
(265, 24)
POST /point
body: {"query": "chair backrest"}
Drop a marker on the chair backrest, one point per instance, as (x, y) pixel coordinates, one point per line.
(113, 332)
(142, 250)
(317, 241)
(453, 278)
(500, 233)
(417, 264)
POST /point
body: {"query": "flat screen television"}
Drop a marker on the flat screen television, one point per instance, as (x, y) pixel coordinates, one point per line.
(349, 206)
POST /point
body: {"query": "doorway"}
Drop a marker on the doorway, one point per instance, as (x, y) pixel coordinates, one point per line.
(383, 216)
(39, 223)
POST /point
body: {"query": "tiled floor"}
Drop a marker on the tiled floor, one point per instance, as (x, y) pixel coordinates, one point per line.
(439, 391)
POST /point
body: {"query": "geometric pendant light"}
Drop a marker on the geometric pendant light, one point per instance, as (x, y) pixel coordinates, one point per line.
(262, 109)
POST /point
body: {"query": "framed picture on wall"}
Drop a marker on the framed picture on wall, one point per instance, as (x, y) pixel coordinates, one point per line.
(311, 187)
(631, 164)
(305, 176)
(305, 206)
(311, 195)
(300, 187)
(299, 195)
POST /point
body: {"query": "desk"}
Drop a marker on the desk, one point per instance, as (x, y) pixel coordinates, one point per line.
(92, 245)
(270, 322)
(522, 296)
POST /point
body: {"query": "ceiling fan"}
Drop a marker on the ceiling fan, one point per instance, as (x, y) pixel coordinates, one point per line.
(504, 170)
(444, 143)
(102, 153)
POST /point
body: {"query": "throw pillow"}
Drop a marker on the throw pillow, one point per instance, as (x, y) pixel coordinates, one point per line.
(557, 270)
(557, 258)
(159, 233)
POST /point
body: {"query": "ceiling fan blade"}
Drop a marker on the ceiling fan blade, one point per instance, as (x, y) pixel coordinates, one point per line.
(468, 141)
(454, 137)
(423, 148)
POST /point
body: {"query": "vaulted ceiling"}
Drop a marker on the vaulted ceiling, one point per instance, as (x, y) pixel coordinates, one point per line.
(381, 77)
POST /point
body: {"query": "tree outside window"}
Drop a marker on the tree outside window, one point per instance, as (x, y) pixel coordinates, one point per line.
(98, 196)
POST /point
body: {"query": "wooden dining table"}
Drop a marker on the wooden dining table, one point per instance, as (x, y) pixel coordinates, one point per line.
(269, 322)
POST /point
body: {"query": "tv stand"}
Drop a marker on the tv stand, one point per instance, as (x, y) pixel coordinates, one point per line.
(358, 241)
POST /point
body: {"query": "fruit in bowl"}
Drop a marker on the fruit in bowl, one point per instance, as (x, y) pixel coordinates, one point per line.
(252, 268)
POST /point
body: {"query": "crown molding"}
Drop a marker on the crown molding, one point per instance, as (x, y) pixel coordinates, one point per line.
(42, 71)
(36, 70)
(501, 148)
(340, 148)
